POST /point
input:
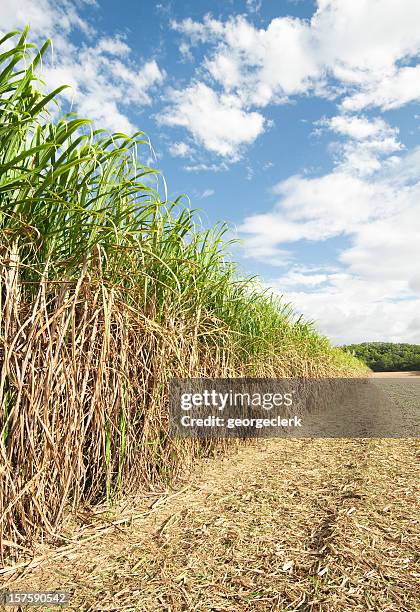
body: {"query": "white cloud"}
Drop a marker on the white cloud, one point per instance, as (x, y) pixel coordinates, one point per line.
(101, 85)
(391, 91)
(264, 66)
(180, 149)
(373, 290)
(258, 248)
(359, 127)
(366, 37)
(207, 193)
(44, 17)
(320, 208)
(199, 32)
(114, 46)
(203, 167)
(185, 51)
(355, 51)
(339, 203)
(103, 76)
(254, 6)
(360, 43)
(304, 277)
(368, 143)
(216, 121)
(352, 310)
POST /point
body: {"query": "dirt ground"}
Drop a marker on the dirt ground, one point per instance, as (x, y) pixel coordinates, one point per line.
(396, 374)
(303, 524)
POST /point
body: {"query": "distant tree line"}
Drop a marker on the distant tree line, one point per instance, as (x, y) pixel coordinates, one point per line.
(387, 356)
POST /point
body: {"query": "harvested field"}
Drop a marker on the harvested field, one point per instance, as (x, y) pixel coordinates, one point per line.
(281, 525)
(395, 374)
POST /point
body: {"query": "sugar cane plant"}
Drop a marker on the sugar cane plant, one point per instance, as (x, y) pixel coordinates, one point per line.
(107, 290)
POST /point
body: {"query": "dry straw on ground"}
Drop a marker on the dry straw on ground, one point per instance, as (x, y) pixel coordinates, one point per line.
(299, 525)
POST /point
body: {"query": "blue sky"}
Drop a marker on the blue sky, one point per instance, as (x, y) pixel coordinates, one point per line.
(295, 121)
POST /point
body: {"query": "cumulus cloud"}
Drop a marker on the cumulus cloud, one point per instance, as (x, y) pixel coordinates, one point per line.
(356, 51)
(393, 90)
(373, 288)
(218, 122)
(321, 208)
(102, 85)
(368, 142)
(359, 127)
(43, 16)
(180, 149)
(349, 309)
(104, 77)
(265, 66)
